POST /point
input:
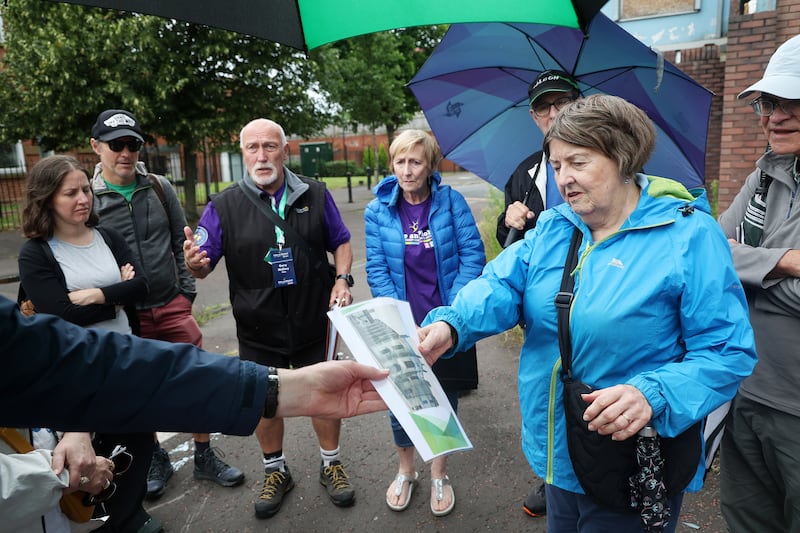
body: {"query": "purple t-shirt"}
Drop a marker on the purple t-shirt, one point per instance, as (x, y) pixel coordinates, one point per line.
(336, 233)
(422, 281)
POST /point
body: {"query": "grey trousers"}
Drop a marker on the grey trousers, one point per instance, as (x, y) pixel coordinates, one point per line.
(760, 469)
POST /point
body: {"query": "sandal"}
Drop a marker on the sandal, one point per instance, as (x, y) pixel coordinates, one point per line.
(438, 486)
(399, 481)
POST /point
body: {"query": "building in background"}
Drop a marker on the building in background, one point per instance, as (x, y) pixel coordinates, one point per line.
(720, 43)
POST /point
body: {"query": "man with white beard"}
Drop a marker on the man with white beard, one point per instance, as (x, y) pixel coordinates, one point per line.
(274, 229)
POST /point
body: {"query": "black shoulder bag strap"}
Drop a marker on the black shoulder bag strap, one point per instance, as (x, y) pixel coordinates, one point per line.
(564, 303)
(316, 262)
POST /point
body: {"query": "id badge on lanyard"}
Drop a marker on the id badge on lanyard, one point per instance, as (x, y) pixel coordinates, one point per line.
(281, 258)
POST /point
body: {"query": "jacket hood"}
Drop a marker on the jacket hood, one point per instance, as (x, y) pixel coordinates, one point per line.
(98, 183)
(388, 190)
(661, 201)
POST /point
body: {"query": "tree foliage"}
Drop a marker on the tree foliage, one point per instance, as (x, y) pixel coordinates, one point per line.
(187, 83)
(367, 75)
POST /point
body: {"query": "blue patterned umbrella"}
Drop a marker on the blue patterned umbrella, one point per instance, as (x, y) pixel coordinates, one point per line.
(473, 91)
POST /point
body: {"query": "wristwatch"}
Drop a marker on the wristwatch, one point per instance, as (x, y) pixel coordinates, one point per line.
(347, 277)
(273, 388)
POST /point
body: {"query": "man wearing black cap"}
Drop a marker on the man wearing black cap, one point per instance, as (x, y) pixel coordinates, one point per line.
(146, 210)
(531, 188)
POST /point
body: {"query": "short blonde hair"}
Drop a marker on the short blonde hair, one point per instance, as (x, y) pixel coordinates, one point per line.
(408, 139)
(610, 125)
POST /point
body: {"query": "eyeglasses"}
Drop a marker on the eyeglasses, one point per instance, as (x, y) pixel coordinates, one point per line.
(122, 462)
(764, 107)
(542, 109)
(117, 145)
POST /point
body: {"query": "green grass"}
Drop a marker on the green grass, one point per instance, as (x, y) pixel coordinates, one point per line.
(487, 226)
(210, 312)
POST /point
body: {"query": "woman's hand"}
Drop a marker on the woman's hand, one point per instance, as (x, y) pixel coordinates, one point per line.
(87, 297)
(87, 471)
(126, 272)
(434, 340)
(620, 411)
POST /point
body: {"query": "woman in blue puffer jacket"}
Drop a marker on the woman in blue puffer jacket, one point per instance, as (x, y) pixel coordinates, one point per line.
(422, 247)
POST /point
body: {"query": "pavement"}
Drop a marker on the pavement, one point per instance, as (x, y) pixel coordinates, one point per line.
(490, 481)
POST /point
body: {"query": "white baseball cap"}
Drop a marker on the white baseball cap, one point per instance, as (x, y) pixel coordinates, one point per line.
(782, 76)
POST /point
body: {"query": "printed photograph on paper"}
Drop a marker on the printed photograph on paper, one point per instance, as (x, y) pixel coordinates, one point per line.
(381, 333)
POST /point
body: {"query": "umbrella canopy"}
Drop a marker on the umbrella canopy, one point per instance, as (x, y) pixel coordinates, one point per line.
(306, 24)
(473, 90)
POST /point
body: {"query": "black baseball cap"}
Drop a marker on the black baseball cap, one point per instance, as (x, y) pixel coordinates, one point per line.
(115, 123)
(552, 81)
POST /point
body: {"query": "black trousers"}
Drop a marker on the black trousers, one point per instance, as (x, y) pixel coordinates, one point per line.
(125, 506)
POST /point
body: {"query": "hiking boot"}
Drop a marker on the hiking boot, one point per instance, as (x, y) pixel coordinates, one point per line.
(207, 465)
(334, 478)
(160, 471)
(535, 503)
(276, 485)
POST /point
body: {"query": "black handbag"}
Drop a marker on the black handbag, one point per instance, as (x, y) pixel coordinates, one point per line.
(603, 466)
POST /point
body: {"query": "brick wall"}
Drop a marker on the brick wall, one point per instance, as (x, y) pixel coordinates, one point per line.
(705, 65)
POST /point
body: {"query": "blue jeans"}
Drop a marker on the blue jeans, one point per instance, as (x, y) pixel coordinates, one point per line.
(570, 512)
(401, 439)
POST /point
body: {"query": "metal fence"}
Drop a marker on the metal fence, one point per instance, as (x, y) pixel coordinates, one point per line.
(12, 186)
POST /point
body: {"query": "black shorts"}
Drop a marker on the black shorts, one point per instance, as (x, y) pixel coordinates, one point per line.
(264, 355)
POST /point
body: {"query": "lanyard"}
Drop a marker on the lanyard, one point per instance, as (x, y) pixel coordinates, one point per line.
(281, 210)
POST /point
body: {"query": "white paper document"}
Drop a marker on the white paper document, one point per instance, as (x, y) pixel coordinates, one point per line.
(381, 333)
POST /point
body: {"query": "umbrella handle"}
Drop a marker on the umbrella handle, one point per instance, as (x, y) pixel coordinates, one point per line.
(513, 236)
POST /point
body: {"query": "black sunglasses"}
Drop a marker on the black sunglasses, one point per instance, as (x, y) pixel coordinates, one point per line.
(122, 462)
(117, 145)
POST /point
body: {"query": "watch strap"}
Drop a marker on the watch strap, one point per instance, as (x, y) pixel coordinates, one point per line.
(273, 388)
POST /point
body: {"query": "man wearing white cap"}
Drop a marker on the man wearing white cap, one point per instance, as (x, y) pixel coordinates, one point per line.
(760, 476)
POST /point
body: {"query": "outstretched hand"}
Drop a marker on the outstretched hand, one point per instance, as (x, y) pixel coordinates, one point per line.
(434, 340)
(334, 389)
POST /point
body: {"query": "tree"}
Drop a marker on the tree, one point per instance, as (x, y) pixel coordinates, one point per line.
(367, 75)
(383, 158)
(187, 83)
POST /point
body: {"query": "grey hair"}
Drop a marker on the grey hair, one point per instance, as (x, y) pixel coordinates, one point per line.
(610, 125)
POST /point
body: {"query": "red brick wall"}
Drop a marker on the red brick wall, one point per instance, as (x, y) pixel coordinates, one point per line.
(356, 144)
(705, 65)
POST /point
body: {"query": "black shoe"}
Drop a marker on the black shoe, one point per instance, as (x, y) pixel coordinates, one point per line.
(160, 471)
(535, 504)
(207, 465)
(152, 525)
(334, 478)
(276, 485)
